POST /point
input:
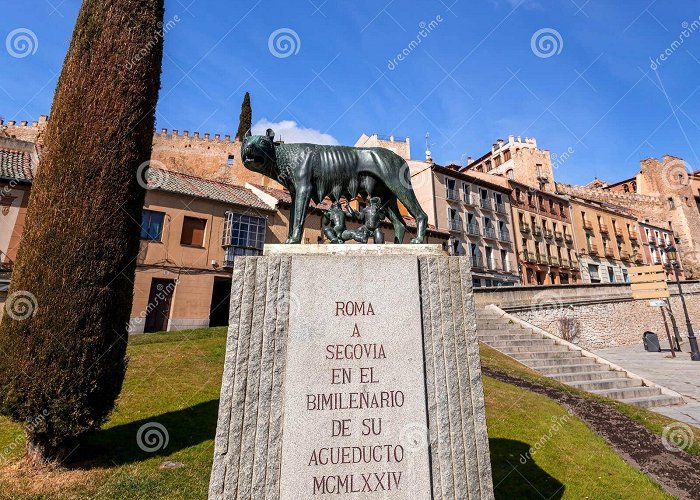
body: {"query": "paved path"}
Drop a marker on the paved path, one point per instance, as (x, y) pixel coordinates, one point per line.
(679, 374)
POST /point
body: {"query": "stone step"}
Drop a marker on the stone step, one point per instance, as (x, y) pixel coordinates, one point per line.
(569, 378)
(606, 383)
(573, 368)
(506, 337)
(628, 393)
(552, 361)
(654, 401)
(522, 342)
(510, 331)
(512, 349)
(500, 326)
(541, 356)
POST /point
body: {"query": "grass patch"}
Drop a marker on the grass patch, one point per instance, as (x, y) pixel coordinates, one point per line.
(174, 379)
(653, 421)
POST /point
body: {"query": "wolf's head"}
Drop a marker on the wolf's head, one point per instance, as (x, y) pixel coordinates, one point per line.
(258, 153)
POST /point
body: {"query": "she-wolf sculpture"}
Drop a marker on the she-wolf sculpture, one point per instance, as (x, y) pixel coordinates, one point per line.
(313, 172)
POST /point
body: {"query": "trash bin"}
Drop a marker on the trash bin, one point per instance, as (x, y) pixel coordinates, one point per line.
(651, 342)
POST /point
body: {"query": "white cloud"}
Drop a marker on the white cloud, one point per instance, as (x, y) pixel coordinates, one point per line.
(289, 131)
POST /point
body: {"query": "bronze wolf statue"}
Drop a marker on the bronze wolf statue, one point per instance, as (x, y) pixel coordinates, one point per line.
(312, 172)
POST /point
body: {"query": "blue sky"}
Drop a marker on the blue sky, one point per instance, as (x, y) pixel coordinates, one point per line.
(478, 73)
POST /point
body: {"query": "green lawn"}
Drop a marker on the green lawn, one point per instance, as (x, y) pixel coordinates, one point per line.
(173, 379)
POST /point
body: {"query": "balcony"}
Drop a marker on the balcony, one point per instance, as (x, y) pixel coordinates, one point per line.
(542, 259)
(524, 228)
(568, 238)
(558, 236)
(504, 236)
(633, 236)
(473, 229)
(618, 232)
(604, 228)
(587, 225)
(456, 225)
(452, 194)
(565, 263)
(537, 231)
(573, 265)
(610, 252)
(548, 234)
(625, 256)
(500, 208)
(592, 250)
(490, 233)
(495, 265)
(486, 203)
(638, 258)
(477, 261)
(554, 260)
(528, 256)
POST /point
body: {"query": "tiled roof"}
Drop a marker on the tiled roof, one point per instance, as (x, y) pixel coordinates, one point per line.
(283, 196)
(175, 182)
(16, 164)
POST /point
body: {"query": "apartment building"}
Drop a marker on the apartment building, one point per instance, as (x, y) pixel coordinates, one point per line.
(607, 237)
(545, 239)
(475, 209)
(654, 241)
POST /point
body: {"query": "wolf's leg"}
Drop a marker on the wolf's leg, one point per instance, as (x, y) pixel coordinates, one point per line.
(392, 209)
(301, 206)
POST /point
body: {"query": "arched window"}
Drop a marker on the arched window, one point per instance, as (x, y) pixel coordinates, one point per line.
(626, 188)
(510, 174)
(634, 186)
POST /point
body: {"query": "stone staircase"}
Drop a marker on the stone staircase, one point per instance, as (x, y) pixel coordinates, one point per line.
(570, 367)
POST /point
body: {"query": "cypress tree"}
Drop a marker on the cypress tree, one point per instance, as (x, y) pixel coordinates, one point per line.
(245, 122)
(64, 335)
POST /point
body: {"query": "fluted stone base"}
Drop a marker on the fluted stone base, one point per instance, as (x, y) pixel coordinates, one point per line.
(282, 351)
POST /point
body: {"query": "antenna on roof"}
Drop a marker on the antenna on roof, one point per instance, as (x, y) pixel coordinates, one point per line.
(428, 154)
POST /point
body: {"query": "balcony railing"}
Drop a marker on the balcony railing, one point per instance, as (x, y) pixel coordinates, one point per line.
(503, 235)
(495, 265)
(609, 252)
(548, 234)
(542, 259)
(528, 256)
(625, 255)
(604, 228)
(486, 203)
(473, 229)
(554, 260)
(537, 231)
(587, 225)
(565, 263)
(456, 225)
(525, 228)
(490, 232)
(618, 232)
(633, 236)
(500, 208)
(593, 250)
(452, 194)
(568, 238)
(477, 261)
(638, 258)
(558, 236)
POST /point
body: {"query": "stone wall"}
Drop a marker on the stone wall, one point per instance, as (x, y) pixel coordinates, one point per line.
(597, 316)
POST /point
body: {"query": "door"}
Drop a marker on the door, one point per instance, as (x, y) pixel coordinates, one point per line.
(220, 298)
(159, 301)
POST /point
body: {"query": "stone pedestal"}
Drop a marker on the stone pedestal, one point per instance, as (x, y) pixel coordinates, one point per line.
(352, 376)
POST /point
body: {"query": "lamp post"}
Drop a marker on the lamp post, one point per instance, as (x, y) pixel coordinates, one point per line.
(672, 254)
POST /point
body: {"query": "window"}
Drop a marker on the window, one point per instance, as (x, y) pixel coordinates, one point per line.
(152, 225)
(506, 155)
(243, 235)
(611, 274)
(625, 276)
(193, 232)
(465, 192)
(593, 272)
(510, 174)
(229, 160)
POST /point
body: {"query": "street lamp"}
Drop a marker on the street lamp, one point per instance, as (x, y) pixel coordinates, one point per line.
(672, 255)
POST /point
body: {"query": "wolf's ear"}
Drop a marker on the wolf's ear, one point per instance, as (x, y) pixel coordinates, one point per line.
(270, 134)
(248, 134)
